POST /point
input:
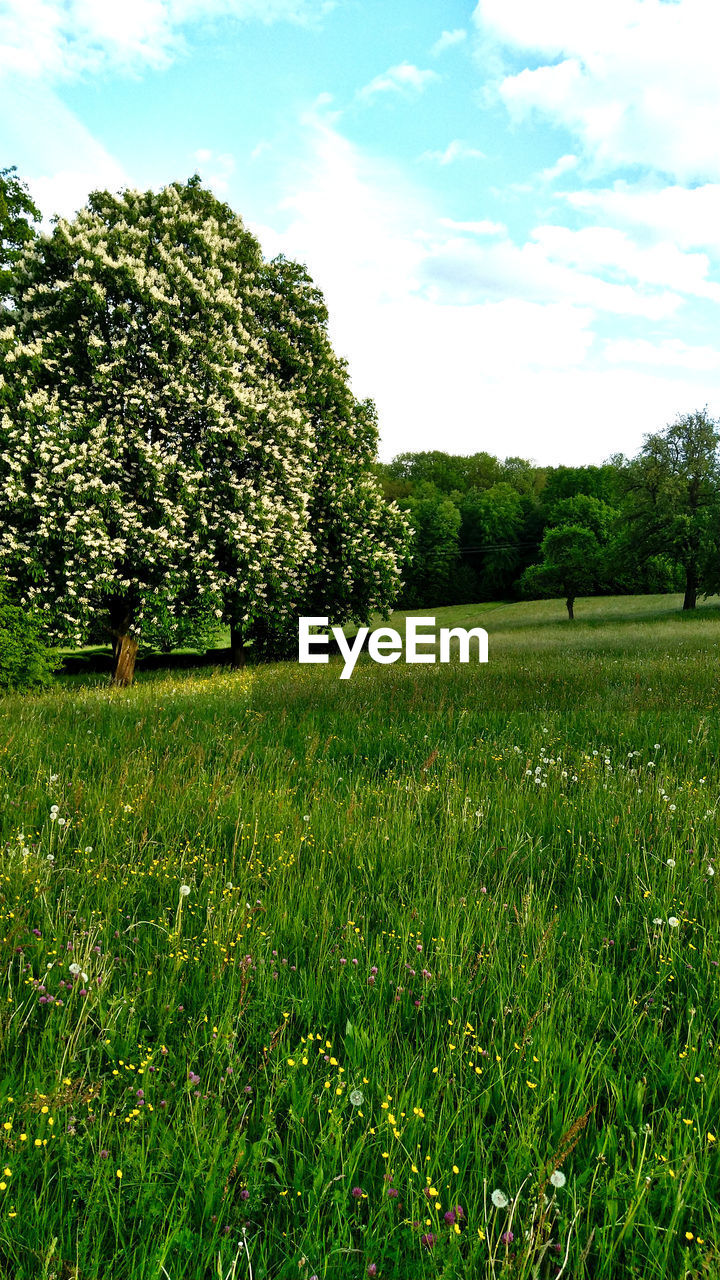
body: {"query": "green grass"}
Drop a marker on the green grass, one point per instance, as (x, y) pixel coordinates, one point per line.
(512, 829)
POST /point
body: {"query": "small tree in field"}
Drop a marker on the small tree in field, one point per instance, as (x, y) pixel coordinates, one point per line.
(151, 465)
(570, 564)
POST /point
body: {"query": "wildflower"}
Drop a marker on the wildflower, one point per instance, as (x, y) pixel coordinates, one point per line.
(499, 1199)
(372, 1269)
(184, 890)
(393, 1193)
(673, 922)
(356, 1097)
(428, 1240)
(671, 861)
(558, 1178)
(104, 1154)
(449, 1217)
(657, 920)
(507, 1237)
(357, 1193)
(74, 969)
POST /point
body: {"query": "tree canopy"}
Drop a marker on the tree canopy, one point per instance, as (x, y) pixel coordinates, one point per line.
(159, 456)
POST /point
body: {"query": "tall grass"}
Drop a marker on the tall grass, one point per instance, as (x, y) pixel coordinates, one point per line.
(451, 939)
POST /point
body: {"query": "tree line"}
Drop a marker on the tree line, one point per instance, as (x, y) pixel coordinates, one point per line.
(486, 529)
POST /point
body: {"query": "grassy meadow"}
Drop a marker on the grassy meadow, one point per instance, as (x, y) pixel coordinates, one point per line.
(441, 999)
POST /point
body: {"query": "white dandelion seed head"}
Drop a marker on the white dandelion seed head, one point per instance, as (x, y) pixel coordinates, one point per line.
(74, 968)
(673, 922)
(671, 862)
(657, 920)
(499, 1199)
(711, 871)
(558, 1178)
(356, 1097)
(184, 890)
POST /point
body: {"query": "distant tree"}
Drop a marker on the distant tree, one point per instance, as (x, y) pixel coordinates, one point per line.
(570, 562)
(673, 499)
(434, 563)
(490, 537)
(591, 513)
(17, 213)
(568, 482)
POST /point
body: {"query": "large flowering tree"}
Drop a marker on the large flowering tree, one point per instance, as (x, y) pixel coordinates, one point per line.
(153, 469)
(360, 541)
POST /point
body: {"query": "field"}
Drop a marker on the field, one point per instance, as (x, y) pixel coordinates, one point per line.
(441, 998)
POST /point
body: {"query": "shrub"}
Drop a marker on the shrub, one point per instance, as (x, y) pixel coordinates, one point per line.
(25, 663)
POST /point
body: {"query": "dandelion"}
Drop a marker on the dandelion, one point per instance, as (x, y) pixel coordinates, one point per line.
(499, 1199)
(657, 920)
(671, 861)
(673, 922)
(74, 969)
(356, 1097)
(558, 1178)
(184, 890)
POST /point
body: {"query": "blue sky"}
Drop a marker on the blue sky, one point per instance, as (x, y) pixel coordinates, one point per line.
(513, 208)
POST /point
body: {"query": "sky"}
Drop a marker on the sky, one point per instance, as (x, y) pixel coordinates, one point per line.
(512, 207)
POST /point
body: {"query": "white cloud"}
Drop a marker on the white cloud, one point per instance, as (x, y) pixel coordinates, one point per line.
(59, 39)
(670, 352)
(634, 80)
(403, 78)
(463, 271)
(483, 227)
(448, 40)
(455, 150)
(476, 345)
(565, 164)
(609, 251)
(689, 216)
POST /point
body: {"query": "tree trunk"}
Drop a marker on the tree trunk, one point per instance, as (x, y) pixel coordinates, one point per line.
(691, 586)
(125, 649)
(237, 648)
(571, 612)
